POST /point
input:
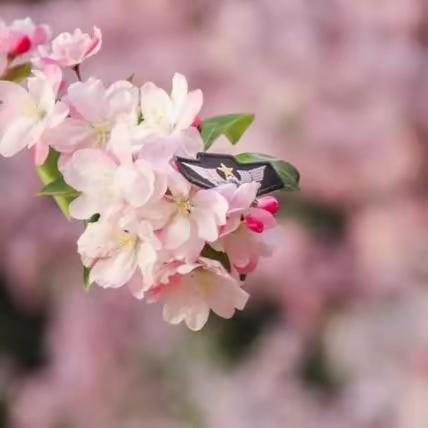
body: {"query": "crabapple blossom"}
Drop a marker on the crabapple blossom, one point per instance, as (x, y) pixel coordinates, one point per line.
(167, 119)
(22, 36)
(196, 289)
(197, 216)
(94, 111)
(244, 248)
(243, 206)
(117, 247)
(71, 49)
(25, 115)
(105, 184)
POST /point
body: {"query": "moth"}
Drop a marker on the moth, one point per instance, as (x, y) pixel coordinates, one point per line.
(211, 170)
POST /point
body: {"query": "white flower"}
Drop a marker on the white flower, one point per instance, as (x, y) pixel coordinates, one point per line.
(201, 287)
(116, 247)
(26, 115)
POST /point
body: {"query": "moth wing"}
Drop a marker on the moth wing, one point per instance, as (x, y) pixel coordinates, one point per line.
(251, 175)
(209, 174)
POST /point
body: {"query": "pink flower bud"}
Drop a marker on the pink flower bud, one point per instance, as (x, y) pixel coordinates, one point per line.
(268, 203)
(20, 47)
(197, 122)
(254, 224)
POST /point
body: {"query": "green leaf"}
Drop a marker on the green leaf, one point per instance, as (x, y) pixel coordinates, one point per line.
(59, 188)
(49, 173)
(231, 125)
(86, 283)
(18, 73)
(289, 174)
(221, 257)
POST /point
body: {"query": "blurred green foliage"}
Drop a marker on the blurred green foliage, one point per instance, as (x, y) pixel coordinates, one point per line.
(234, 339)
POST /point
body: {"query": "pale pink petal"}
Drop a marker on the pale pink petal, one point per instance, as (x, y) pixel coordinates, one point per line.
(177, 184)
(190, 109)
(114, 271)
(214, 202)
(225, 296)
(88, 99)
(95, 44)
(83, 207)
(71, 135)
(146, 259)
(136, 184)
(14, 100)
(244, 196)
(155, 102)
(177, 232)
(19, 134)
(89, 169)
(179, 90)
(206, 224)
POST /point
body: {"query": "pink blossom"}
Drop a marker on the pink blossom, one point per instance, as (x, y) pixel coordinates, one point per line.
(196, 217)
(106, 185)
(94, 111)
(201, 287)
(244, 247)
(243, 208)
(22, 36)
(116, 247)
(25, 115)
(167, 119)
(71, 49)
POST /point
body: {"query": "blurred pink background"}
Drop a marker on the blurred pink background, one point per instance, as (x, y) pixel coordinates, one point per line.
(336, 333)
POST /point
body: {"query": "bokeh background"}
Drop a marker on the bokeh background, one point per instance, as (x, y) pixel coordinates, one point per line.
(336, 332)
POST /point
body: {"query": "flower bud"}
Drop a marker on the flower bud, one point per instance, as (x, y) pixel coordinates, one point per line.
(197, 122)
(268, 203)
(21, 46)
(254, 224)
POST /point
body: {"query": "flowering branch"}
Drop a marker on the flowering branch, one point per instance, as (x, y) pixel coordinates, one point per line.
(175, 223)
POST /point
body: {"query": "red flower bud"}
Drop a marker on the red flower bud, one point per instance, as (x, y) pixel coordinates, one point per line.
(21, 46)
(268, 203)
(254, 224)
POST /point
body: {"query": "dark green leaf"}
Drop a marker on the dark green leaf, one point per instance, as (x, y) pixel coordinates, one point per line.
(58, 188)
(231, 125)
(18, 73)
(289, 174)
(221, 257)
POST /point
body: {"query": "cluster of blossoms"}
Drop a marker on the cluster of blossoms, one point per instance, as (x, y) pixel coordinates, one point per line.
(113, 152)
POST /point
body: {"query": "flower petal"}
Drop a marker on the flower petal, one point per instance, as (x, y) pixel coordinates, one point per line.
(19, 134)
(115, 271)
(177, 232)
